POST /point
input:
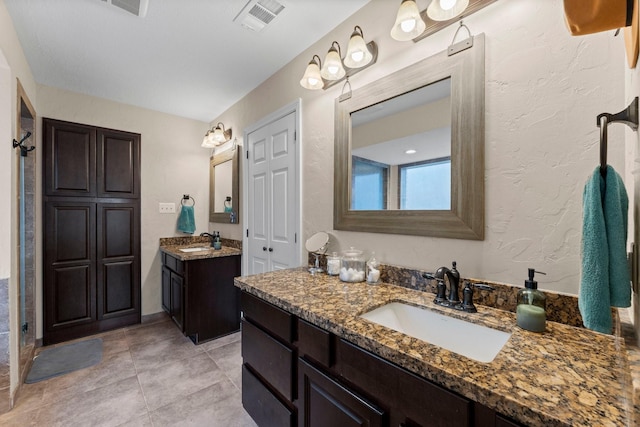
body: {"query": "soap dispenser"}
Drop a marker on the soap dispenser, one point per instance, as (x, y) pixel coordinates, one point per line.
(531, 310)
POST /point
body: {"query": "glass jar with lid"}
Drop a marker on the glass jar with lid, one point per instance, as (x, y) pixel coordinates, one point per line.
(352, 266)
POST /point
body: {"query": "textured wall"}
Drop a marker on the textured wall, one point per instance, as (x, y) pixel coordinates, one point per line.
(544, 89)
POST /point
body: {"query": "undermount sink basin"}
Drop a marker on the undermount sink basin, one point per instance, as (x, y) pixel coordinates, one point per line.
(204, 248)
(467, 339)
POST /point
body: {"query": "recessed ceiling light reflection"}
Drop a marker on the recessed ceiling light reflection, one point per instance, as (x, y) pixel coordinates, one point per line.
(410, 151)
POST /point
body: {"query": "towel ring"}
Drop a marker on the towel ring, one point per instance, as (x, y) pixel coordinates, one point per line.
(186, 198)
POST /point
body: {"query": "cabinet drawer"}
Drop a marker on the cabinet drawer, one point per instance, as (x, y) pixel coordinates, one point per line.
(325, 402)
(271, 359)
(173, 263)
(314, 343)
(268, 316)
(420, 401)
(264, 407)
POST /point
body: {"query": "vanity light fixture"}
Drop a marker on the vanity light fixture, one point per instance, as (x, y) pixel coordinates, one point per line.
(216, 136)
(409, 23)
(443, 10)
(333, 68)
(358, 54)
(312, 78)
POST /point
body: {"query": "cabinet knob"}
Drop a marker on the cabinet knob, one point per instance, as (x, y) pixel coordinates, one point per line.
(270, 249)
(264, 248)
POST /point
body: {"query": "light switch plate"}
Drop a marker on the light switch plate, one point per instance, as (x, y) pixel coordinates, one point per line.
(167, 208)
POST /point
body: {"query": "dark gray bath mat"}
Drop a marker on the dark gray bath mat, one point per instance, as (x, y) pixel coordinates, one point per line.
(64, 359)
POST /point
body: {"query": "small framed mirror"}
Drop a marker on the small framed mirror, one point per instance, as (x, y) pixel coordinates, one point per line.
(224, 200)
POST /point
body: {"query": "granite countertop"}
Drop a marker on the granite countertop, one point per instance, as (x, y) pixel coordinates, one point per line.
(566, 376)
(209, 252)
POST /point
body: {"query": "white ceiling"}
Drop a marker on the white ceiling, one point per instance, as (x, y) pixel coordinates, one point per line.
(186, 57)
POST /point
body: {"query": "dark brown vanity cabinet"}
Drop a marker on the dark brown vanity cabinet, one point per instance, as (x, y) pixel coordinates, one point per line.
(295, 373)
(200, 297)
(91, 182)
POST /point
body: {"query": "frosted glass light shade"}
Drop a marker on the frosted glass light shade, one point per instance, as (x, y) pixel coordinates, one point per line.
(358, 54)
(216, 136)
(207, 141)
(312, 78)
(443, 10)
(409, 23)
(332, 68)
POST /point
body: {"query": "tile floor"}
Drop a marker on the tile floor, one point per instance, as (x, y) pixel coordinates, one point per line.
(150, 375)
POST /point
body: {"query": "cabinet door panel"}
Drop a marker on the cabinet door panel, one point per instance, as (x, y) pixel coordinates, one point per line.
(324, 402)
(118, 164)
(177, 298)
(166, 289)
(72, 293)
(69, 159)
(118, 259)
(420, 401)
(69, 258)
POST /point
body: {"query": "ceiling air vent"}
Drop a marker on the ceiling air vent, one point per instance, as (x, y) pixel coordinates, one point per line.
(137, 7)
(257, 14)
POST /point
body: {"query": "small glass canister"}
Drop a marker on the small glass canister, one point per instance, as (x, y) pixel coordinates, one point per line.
(333, 264)
(373, 270)
(352, 266)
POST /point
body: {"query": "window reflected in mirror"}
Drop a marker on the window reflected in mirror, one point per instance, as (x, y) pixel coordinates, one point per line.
(223, 188)
(401, 151)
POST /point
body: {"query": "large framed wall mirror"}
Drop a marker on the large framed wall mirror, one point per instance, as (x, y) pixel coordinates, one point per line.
(409, 150)
(224, 200)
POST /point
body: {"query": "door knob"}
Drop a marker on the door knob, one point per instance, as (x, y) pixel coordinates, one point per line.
(270, 249)
(264, 248)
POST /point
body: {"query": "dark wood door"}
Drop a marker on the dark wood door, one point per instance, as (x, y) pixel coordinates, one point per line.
(177, 298)
(326, 403)
(69, 159)
(92, 229)
(118, 260)
(118, 160)
(70, 264)
(166, 289)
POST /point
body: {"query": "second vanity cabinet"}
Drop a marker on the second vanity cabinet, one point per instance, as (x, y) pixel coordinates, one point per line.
(297, 374)
(200, 297)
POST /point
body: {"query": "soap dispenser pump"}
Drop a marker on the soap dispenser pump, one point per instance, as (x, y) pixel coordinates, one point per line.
(531, 310)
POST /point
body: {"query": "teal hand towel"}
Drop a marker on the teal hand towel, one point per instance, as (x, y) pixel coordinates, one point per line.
(605, 279)
(187, 222)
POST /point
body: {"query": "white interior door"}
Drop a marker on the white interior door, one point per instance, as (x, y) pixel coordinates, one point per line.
(273, 203)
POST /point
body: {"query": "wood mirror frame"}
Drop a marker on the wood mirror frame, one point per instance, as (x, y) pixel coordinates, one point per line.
(465, 219)
(230, 155)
